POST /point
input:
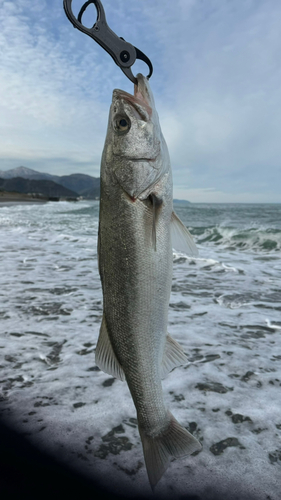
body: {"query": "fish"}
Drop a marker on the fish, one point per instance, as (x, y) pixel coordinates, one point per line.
(138, 229)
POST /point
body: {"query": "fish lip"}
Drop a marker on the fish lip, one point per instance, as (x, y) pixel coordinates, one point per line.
(133, 101)
(128, 97)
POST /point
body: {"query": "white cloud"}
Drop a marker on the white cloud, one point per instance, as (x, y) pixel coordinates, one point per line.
(50, 113)
(212, 195)
(216, 83)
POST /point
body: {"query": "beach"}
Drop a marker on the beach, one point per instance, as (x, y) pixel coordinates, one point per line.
(225, 310)
(7, 198)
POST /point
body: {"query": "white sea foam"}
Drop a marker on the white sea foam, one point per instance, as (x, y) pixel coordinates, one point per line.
(253, 238)
(210, 264)
(224, 311)
(274, 326)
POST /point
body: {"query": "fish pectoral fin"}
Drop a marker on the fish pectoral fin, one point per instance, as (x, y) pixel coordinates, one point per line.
(173, 356)
(105, 357)
(174, 441)
(156, 203)
(181, 237)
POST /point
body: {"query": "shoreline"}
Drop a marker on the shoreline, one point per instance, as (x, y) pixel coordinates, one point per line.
(21, 202)
(7, 201)
(13, 198)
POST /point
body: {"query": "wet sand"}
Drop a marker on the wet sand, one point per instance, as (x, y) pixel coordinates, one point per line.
(7, 199)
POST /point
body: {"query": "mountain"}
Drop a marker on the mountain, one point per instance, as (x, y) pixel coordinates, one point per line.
(181, 202)
(26, 173)
(84, 185)
(75, 184)
(81, 184)
(44, 187)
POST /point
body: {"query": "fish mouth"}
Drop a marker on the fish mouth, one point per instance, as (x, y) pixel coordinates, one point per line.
(140, 105)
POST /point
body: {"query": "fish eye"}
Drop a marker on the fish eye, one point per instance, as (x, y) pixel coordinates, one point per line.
(122, 124)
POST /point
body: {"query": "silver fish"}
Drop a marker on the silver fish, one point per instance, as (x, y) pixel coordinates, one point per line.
(136, 227)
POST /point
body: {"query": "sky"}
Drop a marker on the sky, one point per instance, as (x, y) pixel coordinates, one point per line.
(216, 83)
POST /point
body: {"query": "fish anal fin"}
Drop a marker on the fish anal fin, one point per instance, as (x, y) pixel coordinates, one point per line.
(181, 237)
(105, 357)
(174, 441)
(173, 356)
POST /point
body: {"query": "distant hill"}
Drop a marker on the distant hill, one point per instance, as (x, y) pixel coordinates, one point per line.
(84, 185)
(27, 173)
(79, 184)
(27, 180)
(47, 188)
(181, 202)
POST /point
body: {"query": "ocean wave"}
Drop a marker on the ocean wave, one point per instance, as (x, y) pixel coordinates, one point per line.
(205, 264)
(231, 238)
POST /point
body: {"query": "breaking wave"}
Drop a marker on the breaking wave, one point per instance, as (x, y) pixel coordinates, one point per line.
(258, 239)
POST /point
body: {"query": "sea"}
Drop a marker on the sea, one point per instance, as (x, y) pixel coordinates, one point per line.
(225, 310)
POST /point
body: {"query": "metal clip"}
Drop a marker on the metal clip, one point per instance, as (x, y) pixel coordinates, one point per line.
(123, 53)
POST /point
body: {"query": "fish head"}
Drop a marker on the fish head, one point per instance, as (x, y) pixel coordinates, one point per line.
(135, 148)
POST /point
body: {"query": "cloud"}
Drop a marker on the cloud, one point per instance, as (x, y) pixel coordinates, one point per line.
(216, 83)
(224, 95)
(49, 107)
(213, 195)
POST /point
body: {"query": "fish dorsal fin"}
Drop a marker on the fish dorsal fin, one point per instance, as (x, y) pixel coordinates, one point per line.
(105, 356)
(181, 237)
(173, 356)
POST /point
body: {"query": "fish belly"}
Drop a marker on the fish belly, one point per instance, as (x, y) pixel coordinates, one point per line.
(136, 283)
(136, 280)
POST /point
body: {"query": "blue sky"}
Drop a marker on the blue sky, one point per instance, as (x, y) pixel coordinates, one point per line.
(216, 83)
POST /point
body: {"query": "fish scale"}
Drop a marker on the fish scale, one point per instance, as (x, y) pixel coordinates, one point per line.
(135, 262)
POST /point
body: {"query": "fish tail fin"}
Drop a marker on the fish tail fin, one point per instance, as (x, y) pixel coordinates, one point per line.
(175, 441)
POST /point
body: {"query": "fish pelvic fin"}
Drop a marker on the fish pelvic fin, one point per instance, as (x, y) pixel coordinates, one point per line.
(181, 237)
(105, 356)
(173, 356)
(174, 441)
